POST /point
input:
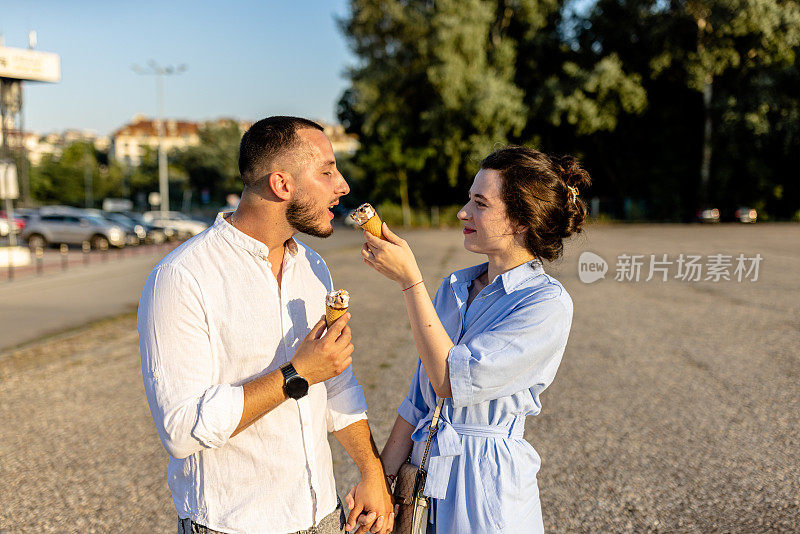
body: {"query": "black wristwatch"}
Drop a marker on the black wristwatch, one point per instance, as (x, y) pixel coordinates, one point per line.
(295, 386)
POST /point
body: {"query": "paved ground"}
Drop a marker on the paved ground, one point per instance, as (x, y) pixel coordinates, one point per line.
(675, 409)
(84, 289)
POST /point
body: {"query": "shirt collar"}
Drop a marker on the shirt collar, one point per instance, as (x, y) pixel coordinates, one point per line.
(519, 275)
(511, 279)
(250, 244)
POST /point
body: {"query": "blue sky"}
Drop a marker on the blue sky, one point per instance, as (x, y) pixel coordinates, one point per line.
(245, 59)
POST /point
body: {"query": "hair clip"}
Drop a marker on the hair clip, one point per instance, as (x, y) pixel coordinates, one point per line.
(573, 191)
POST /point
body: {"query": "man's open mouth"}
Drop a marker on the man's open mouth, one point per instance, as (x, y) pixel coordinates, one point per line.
(330, 209)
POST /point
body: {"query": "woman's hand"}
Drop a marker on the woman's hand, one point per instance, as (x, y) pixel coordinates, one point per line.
(391, 257)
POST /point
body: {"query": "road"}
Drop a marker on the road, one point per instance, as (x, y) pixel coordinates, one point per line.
(675, 408)
(32, 307)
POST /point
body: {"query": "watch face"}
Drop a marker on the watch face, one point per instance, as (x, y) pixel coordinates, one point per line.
(296, 387)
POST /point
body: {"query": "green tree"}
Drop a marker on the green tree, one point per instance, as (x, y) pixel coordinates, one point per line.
(213, 164)
(434, 92)
(644, 91)
(440, 84)
(75, 177)
(746, 51)
(730, 35)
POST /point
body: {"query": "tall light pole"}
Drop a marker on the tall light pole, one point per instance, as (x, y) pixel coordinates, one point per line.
(159, 72)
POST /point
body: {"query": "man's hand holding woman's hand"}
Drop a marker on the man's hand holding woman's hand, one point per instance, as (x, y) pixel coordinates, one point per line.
(391, 257)
(323, 356)
(370, 505)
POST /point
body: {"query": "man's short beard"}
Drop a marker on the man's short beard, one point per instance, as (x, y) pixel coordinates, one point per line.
(301, 217)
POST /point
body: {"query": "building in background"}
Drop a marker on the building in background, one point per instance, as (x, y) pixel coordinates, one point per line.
(128, 144)
(37, 145)
(341, 142)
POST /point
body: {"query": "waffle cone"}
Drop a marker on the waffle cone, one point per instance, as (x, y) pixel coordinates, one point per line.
(373, 226)
(331, 314)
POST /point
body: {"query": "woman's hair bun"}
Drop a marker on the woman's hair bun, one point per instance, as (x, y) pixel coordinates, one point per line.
(576, 180)
(542, 194)
(572, 173)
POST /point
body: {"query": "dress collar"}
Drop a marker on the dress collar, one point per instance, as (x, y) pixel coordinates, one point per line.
(510, 280)
(240, 239)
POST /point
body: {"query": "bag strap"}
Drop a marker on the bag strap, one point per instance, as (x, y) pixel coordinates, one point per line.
(432, 429)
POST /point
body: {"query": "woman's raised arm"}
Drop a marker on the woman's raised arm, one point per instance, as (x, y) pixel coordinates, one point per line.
(394, 259)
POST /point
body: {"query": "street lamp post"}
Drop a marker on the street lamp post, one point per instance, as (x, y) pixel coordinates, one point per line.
(163, 176)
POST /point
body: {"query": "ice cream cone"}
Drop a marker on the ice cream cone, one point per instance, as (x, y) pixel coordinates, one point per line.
(368, 219)
(374, 226)
(331, 314)
(336, 304)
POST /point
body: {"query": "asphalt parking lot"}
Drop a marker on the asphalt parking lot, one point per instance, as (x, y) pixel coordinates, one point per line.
(675, 408)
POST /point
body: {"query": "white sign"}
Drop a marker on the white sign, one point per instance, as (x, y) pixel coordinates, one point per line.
(8, 180)
(15, 256)
(24, 64)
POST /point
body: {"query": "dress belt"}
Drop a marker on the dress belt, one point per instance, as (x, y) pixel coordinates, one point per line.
(446, 445)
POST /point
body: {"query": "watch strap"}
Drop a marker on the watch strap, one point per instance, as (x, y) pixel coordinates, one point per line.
(288, 371)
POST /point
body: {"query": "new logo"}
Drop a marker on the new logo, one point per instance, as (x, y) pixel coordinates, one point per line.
(591, 267)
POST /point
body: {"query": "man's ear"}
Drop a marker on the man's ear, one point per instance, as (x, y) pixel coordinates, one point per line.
(281, 183)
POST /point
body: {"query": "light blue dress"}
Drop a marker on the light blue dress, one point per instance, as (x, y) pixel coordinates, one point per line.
(508, 345)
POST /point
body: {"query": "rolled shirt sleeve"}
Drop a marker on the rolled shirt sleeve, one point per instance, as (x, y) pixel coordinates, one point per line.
(522, 350)
(190, 412)
(218, 415)
(346, 401)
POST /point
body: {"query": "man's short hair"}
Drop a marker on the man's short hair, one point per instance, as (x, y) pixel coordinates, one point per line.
(266, 142)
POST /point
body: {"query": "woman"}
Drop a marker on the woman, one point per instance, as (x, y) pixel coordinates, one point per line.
(489, 343)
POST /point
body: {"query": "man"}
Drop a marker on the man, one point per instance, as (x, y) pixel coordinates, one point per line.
(242, 390)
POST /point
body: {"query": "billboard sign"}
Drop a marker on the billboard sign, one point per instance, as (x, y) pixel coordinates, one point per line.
(33, 65)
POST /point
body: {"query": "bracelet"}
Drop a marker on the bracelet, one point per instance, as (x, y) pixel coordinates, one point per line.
(412, 285)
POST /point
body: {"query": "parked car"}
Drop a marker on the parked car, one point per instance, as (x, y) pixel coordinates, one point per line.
(708, 215)
(183, 225)
(19, 223)
(133, 235)
(25, 213)
(72, 227)
(156, 234)
(746, 215)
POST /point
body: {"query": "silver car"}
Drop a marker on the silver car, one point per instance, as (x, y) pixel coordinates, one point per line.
(183, 225)
(72, 228)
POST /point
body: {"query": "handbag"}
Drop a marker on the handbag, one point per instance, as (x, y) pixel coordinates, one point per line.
(412, 516)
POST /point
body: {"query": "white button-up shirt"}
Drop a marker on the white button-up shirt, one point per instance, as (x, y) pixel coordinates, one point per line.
(212, 318)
